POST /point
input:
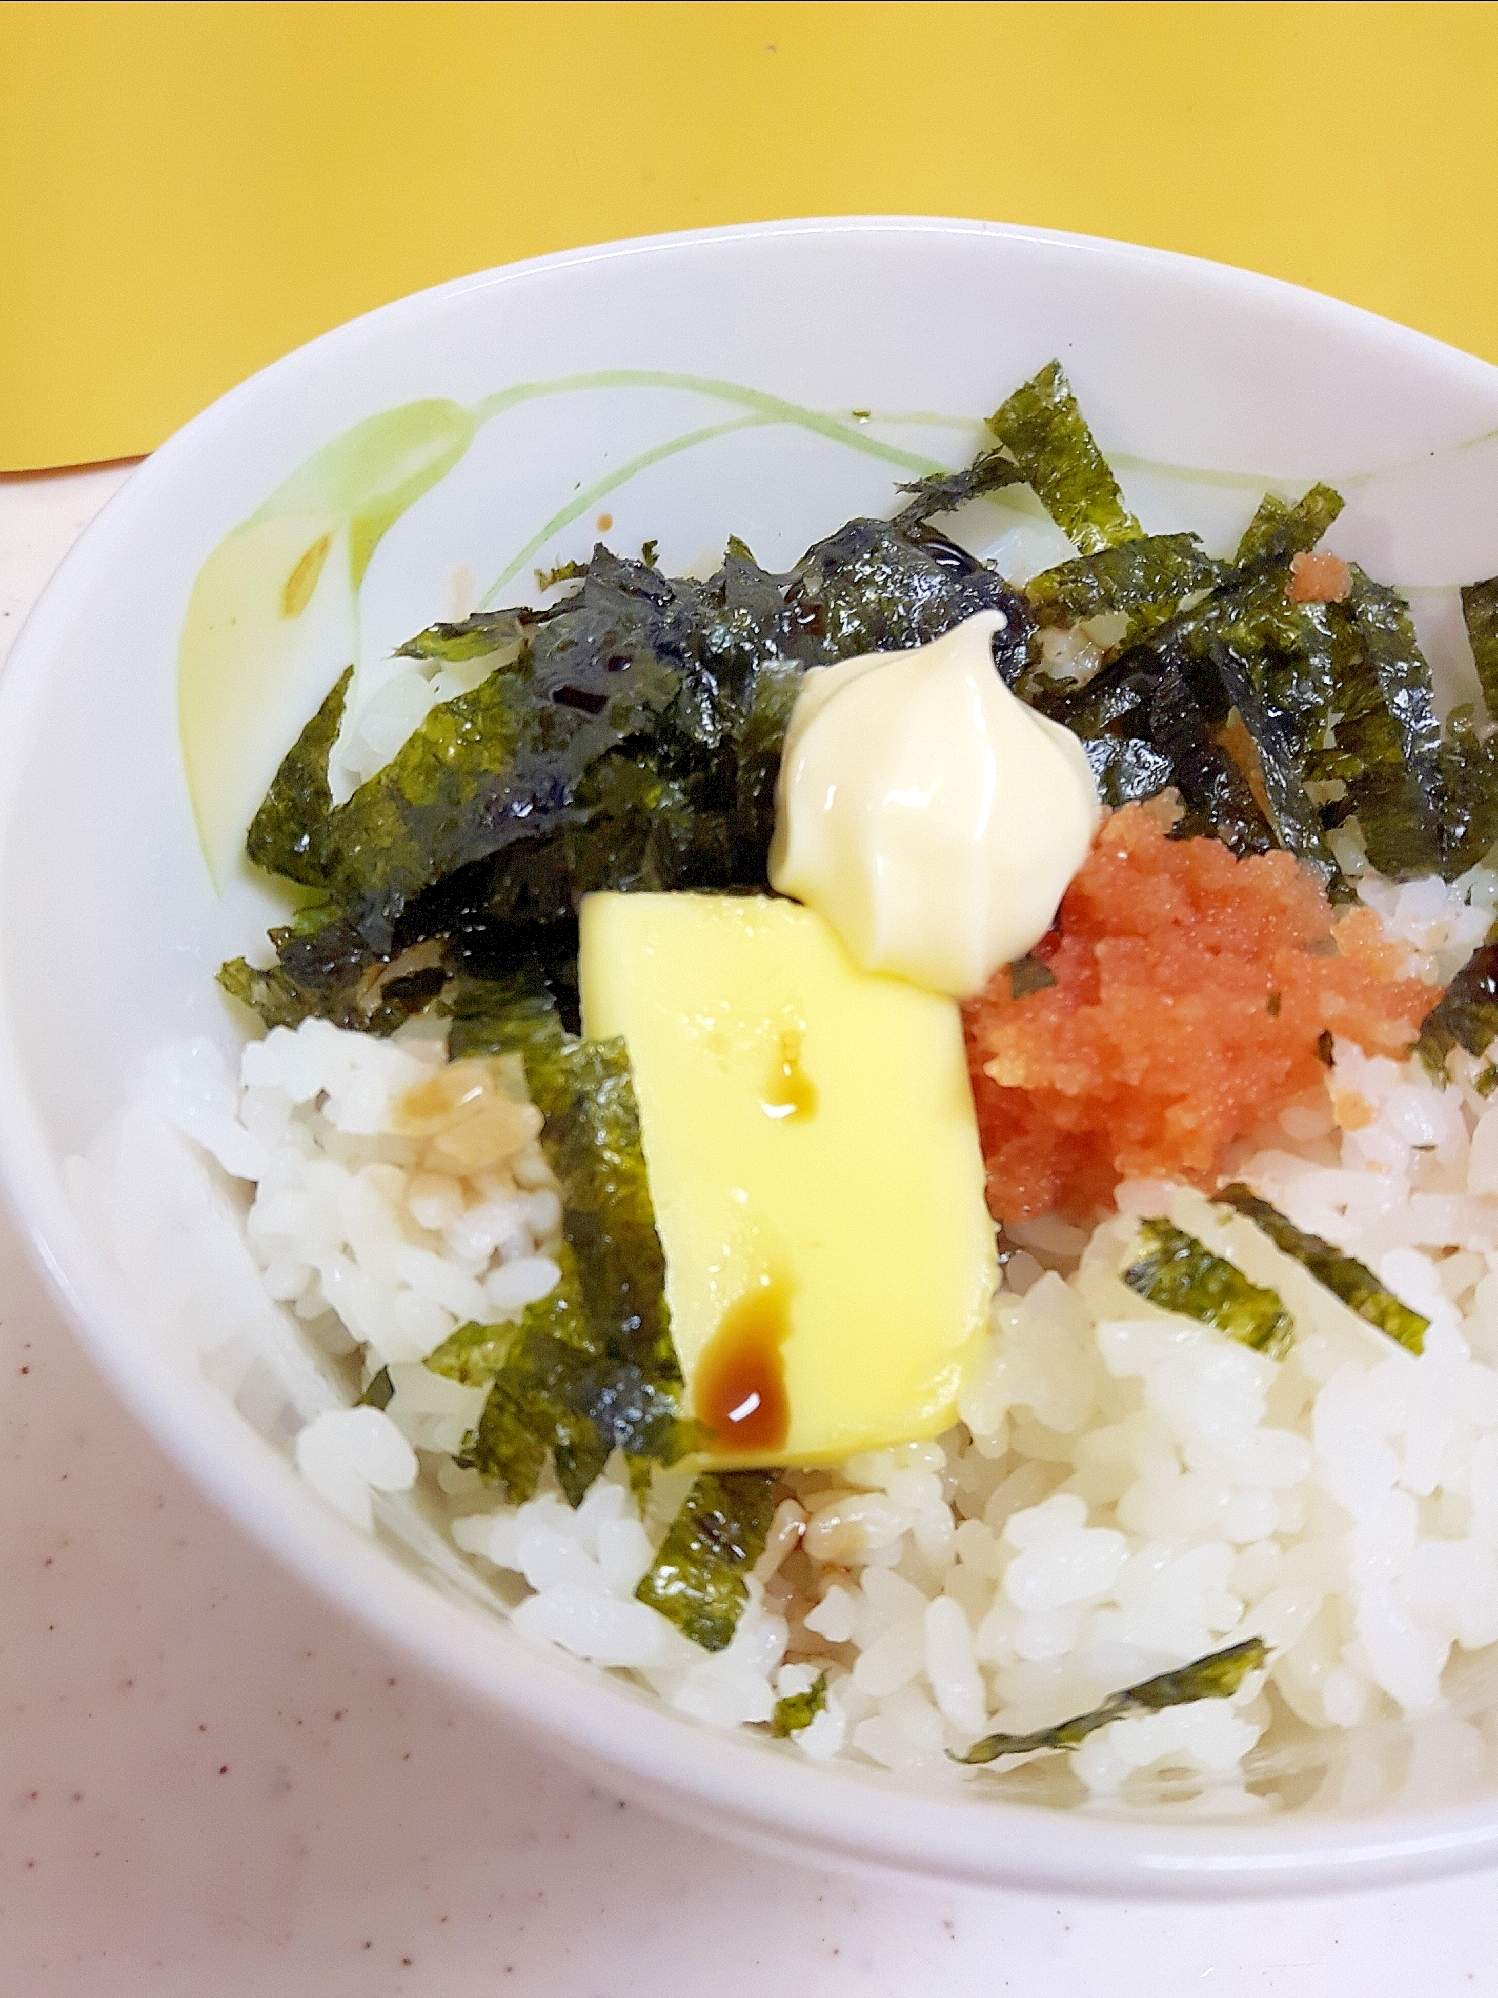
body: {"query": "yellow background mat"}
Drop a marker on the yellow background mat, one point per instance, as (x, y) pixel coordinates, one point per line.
(189, 190)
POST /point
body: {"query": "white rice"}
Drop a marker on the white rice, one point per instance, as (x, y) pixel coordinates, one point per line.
(1126, 1490)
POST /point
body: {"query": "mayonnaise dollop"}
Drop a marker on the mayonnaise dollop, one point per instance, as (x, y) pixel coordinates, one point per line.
(926, 813)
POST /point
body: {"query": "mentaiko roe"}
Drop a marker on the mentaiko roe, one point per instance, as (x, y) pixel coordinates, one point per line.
(1192, 989)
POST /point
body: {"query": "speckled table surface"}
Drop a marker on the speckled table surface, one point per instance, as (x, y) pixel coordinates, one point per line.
(212, 1786)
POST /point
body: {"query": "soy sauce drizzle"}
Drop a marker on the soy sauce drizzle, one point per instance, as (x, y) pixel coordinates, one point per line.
(740, 1391)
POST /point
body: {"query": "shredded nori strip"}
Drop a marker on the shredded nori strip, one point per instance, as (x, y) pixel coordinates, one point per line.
(380, 1392)
(799, 1710)
(1480, 614)
(1179, 1273)
(1148, 720)
(475, 1354)
(479, 636)
(1147, 578)
(542, 1398)
(1282, 528)
(944, 492)
(1469, 779)
(1044, 430)
(698, 1579)
(1466, 1015)
(1382, 622)
(1029, 974)
(591, 1367)
(285, 834)
(1215, 1677)
(325, 973)
(1351, 1281)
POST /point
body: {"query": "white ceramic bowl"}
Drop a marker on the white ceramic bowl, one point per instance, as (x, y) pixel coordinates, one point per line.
(767, 381)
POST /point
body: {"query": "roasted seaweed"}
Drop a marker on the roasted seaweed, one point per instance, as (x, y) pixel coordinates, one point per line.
(1469, 782)
(1466, 1015)
(1151, 719)
(591, 1368)
(799, 1710)
(1351, 1281)
(1215, 1677)
(540, 1399)
(326, 973)
(944, 492)
(1042, 427)
(1282, 528)
(487, 634)
(698, 1578)
(1147, 578)
(1480, 614)
(380, 1392)
(1179, 1273)
(285, 834)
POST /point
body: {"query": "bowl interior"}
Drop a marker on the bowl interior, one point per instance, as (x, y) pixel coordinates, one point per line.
(768, 383)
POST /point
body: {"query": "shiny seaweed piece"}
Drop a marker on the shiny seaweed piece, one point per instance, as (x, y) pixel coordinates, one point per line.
(325, 973)
(1181, 1274)
(1150, 719)
(539, 1374)
(557, 1386)
(1469, 785)
(1334, 695)
(446, 797)
(474, 1354)
(1215, 1677)
(496, 768)
(1465, 1016)
(871, 588)
(1126, 769)
(1044, 430)
(499, 634)
(592, 1367)
(1480, 615)
(1282, 528)
(698, 1580)
(1279, 744)
(380, 1392)
(1148, 578)
(285, 835)
(944, 492)
(1218, 797)
(799, 1710)
(1029, 974)
(515, 1014)
(1381, 620)
(1351, 1281)
(593, 1142)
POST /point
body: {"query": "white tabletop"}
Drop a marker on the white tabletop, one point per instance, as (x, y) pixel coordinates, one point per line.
(211, 1786)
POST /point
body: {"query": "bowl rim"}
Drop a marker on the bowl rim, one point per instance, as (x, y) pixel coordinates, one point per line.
(713, 1780)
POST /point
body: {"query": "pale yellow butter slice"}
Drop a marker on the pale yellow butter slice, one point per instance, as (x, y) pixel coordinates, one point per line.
(814, 1164)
